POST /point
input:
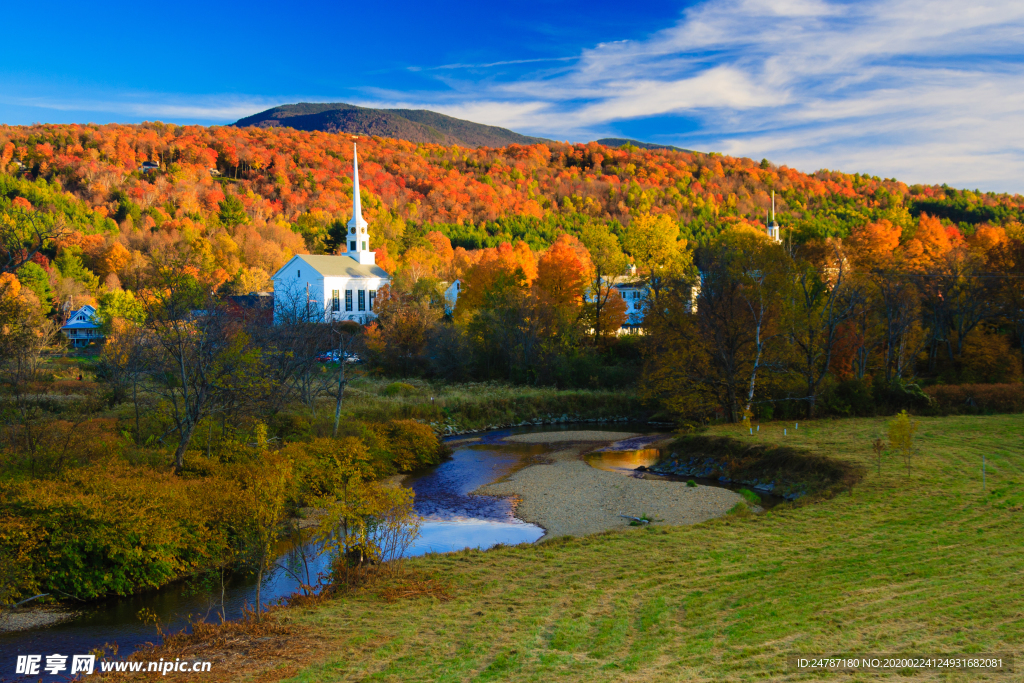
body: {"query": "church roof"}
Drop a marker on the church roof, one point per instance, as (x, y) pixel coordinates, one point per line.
(330, 265)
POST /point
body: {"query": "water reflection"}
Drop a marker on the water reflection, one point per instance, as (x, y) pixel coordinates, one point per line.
(627, 461)
(452, 520)
(623, 461)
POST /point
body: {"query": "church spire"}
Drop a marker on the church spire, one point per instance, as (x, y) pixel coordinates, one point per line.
(358, 236)
(773, 227)
(357, 207)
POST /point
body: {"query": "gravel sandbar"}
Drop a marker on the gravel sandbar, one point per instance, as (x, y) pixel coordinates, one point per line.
(566, 496)
(563, 437)
(35, 617)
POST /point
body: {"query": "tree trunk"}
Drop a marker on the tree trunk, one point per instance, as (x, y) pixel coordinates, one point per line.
(341, 392)
(186, 439)
(135, 400)
(259, 591)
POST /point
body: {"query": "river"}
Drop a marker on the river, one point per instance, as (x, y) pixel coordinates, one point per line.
(451, 520)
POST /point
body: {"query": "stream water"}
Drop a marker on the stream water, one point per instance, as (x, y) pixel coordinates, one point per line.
(452, 520)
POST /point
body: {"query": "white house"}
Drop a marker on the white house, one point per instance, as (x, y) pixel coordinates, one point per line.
(635, 293)
(451, 296)
(82, 328)
(333, 287)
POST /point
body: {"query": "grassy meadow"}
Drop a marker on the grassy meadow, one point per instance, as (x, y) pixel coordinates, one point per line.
(924, 562)
(478, 405)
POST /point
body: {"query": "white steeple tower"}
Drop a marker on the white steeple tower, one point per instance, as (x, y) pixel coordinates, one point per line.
(358, 237)
(773, 227)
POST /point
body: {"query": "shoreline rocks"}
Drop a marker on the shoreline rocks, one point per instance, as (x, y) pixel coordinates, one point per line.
(708, 467)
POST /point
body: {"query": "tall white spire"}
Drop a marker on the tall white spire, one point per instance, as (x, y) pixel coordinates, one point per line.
(357, 207)
(773, 227)
(358, 235)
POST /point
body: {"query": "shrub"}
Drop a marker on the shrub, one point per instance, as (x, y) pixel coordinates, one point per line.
(691, 482)
(410, 444)
(399, 389)
(324, 466)
(749, 496)
(978, 398)
(112, 528)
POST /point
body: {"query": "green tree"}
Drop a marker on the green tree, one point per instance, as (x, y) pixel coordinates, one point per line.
(33, 277)
(232, 212)
(69, 264)
(120, 304)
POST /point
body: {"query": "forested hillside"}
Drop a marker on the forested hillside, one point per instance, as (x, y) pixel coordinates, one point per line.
(248, 198)
(413, 125)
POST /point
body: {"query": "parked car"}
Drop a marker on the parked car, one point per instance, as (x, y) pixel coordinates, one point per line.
(332, 357)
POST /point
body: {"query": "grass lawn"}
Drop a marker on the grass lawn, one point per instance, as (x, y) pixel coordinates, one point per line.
(918, 564)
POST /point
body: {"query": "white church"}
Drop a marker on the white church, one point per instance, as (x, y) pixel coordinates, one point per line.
(333, 287)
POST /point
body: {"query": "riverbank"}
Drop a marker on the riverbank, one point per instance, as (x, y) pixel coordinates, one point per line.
(33, 617)
(568, 497)
(906, 562)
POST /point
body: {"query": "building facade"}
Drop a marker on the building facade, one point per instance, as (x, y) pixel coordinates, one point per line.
(327, 287)
(82, 328)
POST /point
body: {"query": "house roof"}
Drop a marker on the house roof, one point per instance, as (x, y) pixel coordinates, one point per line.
(260, 300)
(82, 319)
(330, 265)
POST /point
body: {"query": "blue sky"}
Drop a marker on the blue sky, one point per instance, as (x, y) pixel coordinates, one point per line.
(925, 91)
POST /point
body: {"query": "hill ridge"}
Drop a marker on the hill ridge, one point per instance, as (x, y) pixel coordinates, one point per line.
(413, 125)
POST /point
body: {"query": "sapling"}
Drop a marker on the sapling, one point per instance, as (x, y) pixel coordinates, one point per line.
(901, 436)
(879, 446)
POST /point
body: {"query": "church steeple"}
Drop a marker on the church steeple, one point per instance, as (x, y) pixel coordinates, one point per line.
(358, 237)
(773, 227)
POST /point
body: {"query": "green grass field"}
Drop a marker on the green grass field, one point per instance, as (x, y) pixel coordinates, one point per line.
(920, 563)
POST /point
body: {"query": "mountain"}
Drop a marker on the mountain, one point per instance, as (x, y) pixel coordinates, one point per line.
(414, 125)
(619, 142)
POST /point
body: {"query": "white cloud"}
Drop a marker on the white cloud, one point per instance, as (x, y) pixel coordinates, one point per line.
(154, 106)
(924, 90)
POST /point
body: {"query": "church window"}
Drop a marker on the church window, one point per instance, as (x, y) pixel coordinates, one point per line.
(373, 295)
(352, 245)
(335, 300)
(348, 299)
(362, 299)
(298, 273)
(364, 245)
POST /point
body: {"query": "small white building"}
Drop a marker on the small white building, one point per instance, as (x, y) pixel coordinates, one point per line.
(635, 293)
(333, 287)
(451, 296)
(82, 327)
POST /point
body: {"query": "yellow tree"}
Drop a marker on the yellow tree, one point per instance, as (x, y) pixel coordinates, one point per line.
(659, 257)
(607, 306)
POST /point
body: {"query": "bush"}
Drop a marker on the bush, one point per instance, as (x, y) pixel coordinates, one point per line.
(899, 396)
(112, 528)
(399, 389)
(749, 496)
(978, 398)
(851, 397)
(410, 445)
